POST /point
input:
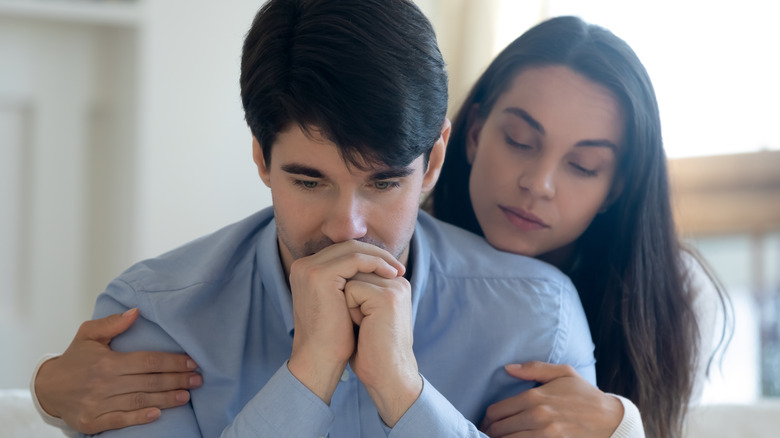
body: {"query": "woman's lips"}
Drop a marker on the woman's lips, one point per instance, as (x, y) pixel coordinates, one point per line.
(522, 219)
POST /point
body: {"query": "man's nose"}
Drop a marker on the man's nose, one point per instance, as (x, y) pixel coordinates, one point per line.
(345, 220)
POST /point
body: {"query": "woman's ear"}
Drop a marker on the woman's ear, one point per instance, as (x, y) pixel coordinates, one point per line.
(614, 194)
(436, 158)
(474, 123)
(262, 168)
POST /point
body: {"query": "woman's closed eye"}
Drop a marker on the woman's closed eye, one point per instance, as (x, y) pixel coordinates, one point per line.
(583, 170)
(511, 142)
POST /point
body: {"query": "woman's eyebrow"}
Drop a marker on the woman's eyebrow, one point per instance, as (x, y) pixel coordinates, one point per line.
(521, 113)
(598, 143)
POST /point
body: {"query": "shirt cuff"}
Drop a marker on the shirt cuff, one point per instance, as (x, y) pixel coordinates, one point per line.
(631, 424)
(285, 407)
(430, 415)
(48, 419)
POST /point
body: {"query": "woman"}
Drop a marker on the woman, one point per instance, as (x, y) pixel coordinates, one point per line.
(561, 140)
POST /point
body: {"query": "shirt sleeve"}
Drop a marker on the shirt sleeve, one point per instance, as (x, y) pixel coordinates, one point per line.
(631, 424)
(283, 408)
(432, 415)
(144, 334)
(573, 344)
(48, 419)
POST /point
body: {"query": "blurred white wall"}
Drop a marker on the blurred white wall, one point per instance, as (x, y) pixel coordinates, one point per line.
(195, 169)
(121, 136)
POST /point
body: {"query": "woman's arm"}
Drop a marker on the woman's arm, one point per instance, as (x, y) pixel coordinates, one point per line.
(93, 389)
(563, 405)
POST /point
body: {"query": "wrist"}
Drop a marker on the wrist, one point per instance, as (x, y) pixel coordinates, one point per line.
(394, 399)
(613, 407)
(40, 384)
(320, 377)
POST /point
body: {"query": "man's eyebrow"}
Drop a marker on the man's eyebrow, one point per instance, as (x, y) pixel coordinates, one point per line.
(392, 173)
(300, 169)
(527, 117)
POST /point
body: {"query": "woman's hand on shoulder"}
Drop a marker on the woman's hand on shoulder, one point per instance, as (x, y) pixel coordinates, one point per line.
(564, 405)
(93, 388)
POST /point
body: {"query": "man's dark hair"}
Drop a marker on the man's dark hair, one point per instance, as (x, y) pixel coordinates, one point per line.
(365, 74)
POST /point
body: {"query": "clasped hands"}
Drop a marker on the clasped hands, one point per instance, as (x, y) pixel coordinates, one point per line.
(347, 284)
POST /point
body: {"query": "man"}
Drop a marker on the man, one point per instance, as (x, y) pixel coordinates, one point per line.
(340, 310)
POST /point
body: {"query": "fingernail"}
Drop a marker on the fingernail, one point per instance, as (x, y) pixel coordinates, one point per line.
(191, 364)
(152, 414)
(513, 366)
(130, 312)
(196, 381)
(182, 397)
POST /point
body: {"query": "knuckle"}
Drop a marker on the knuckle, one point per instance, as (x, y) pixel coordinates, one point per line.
(83, 423)
(491, 413)
(88, 407)
(568, 369)
(547, 411)
(313, 271)
(534, 396)
(300, 265)
(152, 383)
(101, 368)
(104, 364)
(540, 413)
(152, 361)
(84, 327)
(552, 429)
(139, 400)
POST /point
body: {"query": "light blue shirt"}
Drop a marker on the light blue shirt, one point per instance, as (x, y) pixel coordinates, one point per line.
(223, 300)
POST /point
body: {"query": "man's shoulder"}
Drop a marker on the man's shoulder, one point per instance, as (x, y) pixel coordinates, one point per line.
(455, 252)
(207, 259)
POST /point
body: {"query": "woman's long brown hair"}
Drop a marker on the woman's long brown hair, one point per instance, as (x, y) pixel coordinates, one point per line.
(628, 265)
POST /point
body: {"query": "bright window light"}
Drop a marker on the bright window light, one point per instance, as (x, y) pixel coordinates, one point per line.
(714, 64)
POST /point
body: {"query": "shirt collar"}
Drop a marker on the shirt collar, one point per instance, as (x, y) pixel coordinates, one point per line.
(269, 263)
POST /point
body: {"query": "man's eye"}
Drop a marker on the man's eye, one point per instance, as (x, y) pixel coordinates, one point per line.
(384, 185)
(307, 184)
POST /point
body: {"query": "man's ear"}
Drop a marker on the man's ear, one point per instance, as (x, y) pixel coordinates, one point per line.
(436, 159)
(257, 156)
(474, 123)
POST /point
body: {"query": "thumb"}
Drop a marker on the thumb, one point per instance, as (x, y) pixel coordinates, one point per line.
(541, 372)
(105, 329)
